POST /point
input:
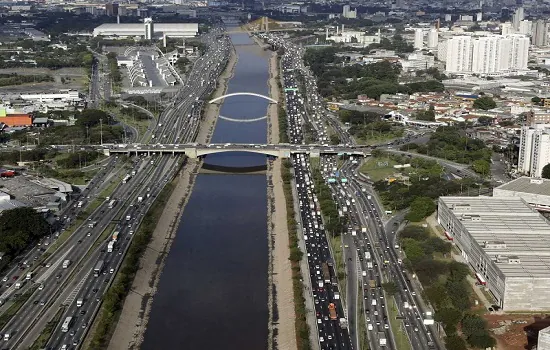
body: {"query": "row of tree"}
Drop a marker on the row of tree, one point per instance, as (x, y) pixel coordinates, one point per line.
(334, 223)
(445, 287)
(18, 79)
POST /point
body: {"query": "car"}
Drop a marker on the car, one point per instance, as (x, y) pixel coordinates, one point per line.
(42, 303)
(40, 287)
(5, 279)
(15, 278)
(72, 333)
(82, 312)
(79, 241)
(95, 290)
(35, 302)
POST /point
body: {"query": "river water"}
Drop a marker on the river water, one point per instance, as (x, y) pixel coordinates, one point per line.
(213, 289)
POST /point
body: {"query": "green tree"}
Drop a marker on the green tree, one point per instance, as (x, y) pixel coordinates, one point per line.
(546, 171)
(19, 227)
(450, 317)
(536, 100)
(485, 103)
(455, 342)
(473, 324)
(413, 250)
(390, 288)
(481, 166)
(483, 120)
(334, 139)
(436, 295)
(482, 340)
(420, 208)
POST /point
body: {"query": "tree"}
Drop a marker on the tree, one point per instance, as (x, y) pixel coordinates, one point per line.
(455, 342)
(19, 227)
(390, 288)
(482, 340)
(473, 324)
(334, 139)
(536, 100)
(485, 103)
(546, 171)
(481, 166)
(483, 120)
(450, 317)
(420, 208)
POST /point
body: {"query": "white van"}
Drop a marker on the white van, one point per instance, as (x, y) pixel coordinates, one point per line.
(373, 302)
(369, 327)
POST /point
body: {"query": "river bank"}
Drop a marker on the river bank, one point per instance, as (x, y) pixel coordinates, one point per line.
(135, 313)
(282, 334)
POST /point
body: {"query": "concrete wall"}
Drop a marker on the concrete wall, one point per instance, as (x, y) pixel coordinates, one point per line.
(472, 252)
(527, 293)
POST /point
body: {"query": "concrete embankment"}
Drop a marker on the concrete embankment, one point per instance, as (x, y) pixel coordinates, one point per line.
(135, 313)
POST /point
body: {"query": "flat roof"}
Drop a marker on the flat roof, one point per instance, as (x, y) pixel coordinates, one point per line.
(528, 185)
(508, 220)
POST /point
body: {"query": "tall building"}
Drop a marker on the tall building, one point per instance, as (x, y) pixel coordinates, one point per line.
(507, 28)
(534, 149)
(525, 27)
(149, 30)
(459, 54)
(418, 39)
(540, 33)
(487, 54)
(479, 17)
(517, 17)
(433, 38)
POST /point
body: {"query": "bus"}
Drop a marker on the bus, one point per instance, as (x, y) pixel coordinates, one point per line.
(112, 204)
(98, 268)
(448, 235)
(66, 324)
(326, 273)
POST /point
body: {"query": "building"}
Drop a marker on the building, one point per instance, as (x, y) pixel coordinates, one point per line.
(149, 28)
(486, 54)
(123, 30)
(534, 191)
(507, 244)
(16, 119)
(540, 33)
(347, 12)
(525, 27)
(459, 54)
(433, 38)
(534, 149)
(111, 9)
(418, 39)
(543, 343)
(517, 17)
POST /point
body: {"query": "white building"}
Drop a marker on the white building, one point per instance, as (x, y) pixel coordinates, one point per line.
(486, 54)
(347, 12)
(418, 39)
(534, 149)
(417, 61)
(543, 342)
(525, 27)
(433, 38)
(507, 28)
(123, 30)
(459, 54)
(540, 33)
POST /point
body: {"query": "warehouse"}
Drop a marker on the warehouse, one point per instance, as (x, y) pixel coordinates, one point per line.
(535, 191)
(174, 30)
(507, 243)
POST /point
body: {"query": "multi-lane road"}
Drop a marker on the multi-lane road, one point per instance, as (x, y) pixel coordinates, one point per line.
(57, 288)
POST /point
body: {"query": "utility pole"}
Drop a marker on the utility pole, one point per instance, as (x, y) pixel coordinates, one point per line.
(101, 131)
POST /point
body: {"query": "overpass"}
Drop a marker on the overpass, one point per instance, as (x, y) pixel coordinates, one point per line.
(194, 150)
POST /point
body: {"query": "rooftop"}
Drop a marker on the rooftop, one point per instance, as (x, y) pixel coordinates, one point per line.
(528, 185)
(507, 229)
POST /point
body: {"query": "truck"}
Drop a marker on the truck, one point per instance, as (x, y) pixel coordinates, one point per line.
(20, 284)
(114, 238)
(92, 224)
(98, 268)
(126, 178)
(128, 217)
(382, 338)
(79, 302)
(406, 305)
(66, 324)
(110, 246)
(332, 311)
(29, 275)
(369, 265)
(369, 197)
(372, 283)
(66, 263)
(343, 323)
(6, 336)
(80, 204)
(364, 229)
(140, 199)
(336, 296)
(367, 255)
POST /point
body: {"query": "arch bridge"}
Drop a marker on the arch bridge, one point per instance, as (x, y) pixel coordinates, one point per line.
(243, 94)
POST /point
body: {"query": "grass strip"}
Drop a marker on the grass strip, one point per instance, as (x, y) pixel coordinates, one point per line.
(47, 332)
(401, 338)
(300, 323)
(361, 326)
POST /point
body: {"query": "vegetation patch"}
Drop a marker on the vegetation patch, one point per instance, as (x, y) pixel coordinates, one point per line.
(42, 340)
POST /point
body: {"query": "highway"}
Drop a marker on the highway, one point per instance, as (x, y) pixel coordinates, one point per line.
(54, 286)
(331, 323)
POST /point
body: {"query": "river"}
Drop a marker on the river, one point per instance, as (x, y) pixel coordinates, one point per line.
(212, 292)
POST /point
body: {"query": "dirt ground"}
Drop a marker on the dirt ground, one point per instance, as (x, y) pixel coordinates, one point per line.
(73, 78)
(516, 332)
